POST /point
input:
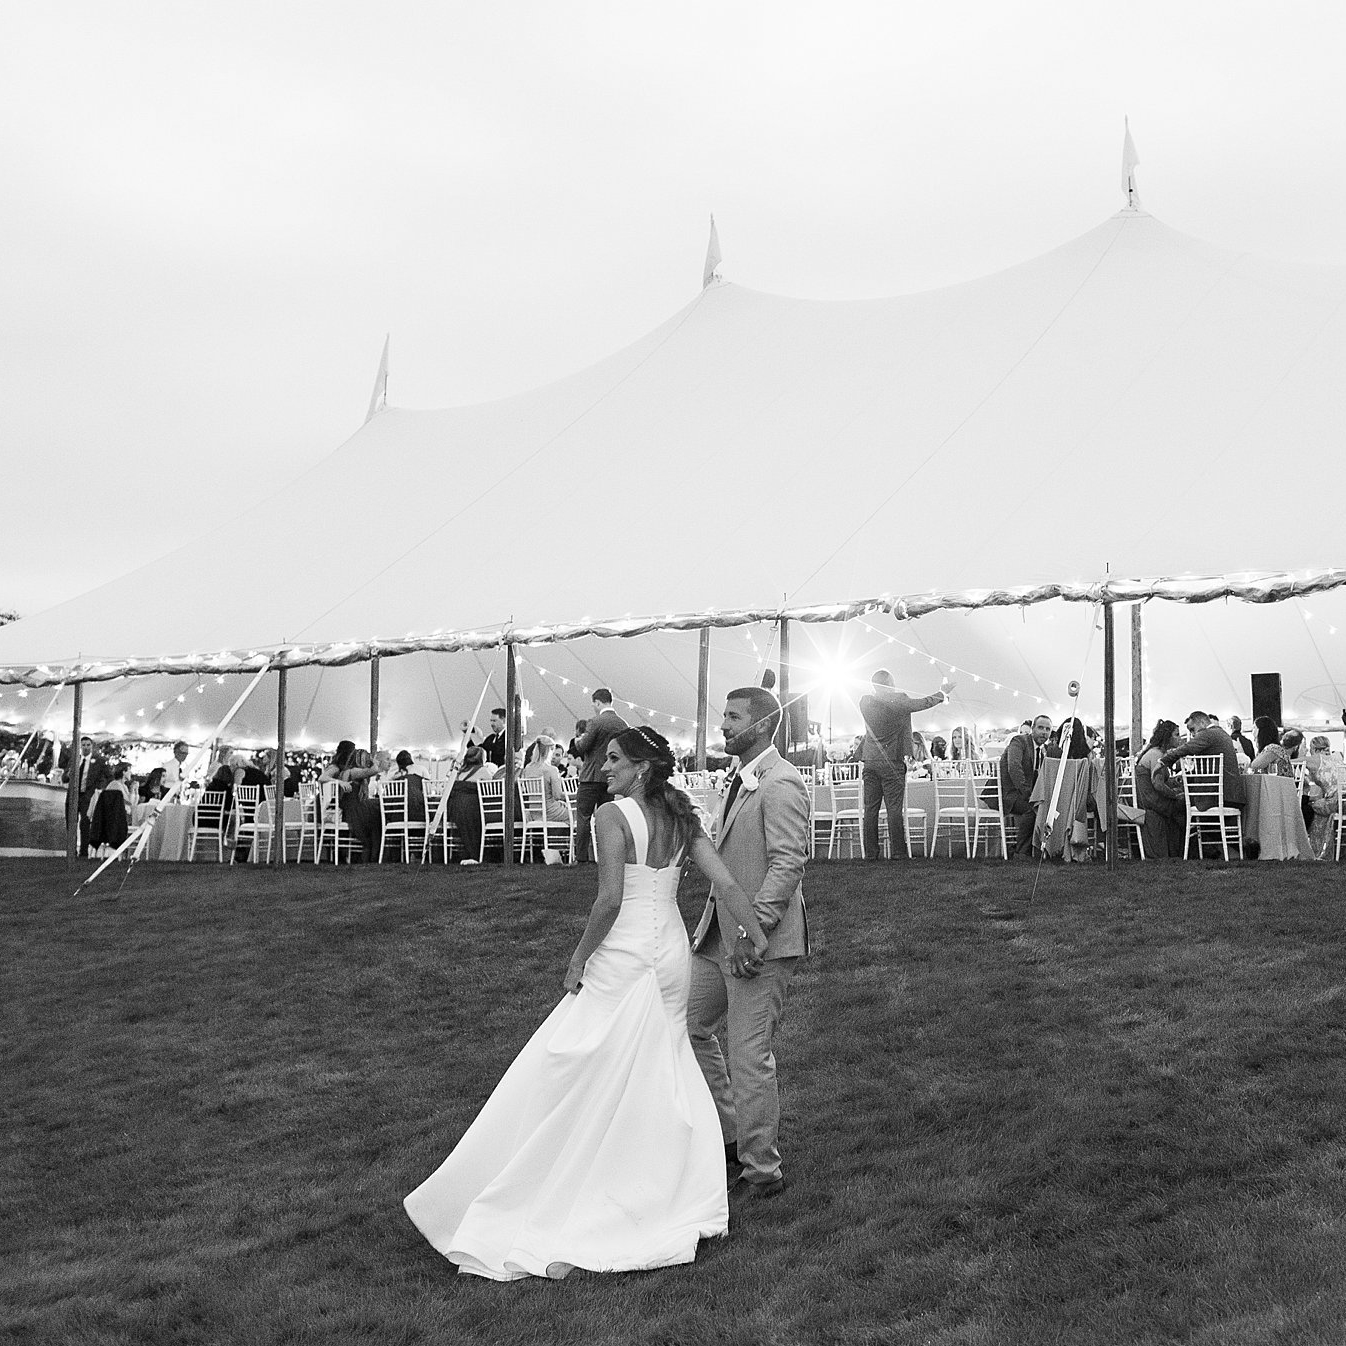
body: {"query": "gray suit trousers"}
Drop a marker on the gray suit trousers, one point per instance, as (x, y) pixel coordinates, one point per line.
(746, 1011)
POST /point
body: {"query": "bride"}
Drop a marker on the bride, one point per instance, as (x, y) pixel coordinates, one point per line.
(600, 1148)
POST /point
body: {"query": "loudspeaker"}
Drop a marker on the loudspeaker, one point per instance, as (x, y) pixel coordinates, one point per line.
(1267, 696)
(798, 711)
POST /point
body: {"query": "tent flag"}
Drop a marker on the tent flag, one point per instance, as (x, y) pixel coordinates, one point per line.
(378, 399)
(712, 255)
(1129, 161)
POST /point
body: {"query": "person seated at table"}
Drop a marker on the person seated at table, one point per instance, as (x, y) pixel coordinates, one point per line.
(939, 756)
(1165, 825)
(1206, 738)
(152, 787)
(109, 822)
(1275, 751)
(464, 806)
(553, 792)
(1019, 765)
(1323, 776)
(1239, 737)
(223, 779)
(415, 786)
(40, 755)
(353, 769)
(265, 763)
(1071, 734)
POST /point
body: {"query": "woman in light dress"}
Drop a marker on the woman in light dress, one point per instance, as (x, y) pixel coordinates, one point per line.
(601, 1148)
(540, 767)
(1323, 775)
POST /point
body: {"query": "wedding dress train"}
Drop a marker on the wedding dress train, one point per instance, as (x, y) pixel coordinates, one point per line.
(600, 1148)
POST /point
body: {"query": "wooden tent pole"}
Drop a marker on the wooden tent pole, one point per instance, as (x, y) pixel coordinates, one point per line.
(511, 734)
(783, 741)
(1137, 684)
(278, 773)
(374, 704)
(72, 846)
(702, 697)
(1110, 734)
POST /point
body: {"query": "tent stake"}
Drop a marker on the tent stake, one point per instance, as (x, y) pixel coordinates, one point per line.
(702, 697)
(1110, 734)
(511, 734)
(72, 784)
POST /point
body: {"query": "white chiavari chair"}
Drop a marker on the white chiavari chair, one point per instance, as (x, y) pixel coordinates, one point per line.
(1207, 813)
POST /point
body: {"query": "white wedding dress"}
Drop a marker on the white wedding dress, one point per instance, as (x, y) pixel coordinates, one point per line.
(600, 1148)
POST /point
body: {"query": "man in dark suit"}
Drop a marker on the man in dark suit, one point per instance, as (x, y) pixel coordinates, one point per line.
(884, 752)
(93, 775)
(591, 747)
(1207, 739)
(494, 745)
(1019, 766)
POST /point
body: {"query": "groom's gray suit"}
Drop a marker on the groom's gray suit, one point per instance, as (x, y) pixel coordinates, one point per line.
(763, 841)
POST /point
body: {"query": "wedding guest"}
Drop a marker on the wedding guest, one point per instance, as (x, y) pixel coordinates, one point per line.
(109, 823)
(354, 769)
(919, 752)
(415, 786)
(173, 769)
(1240, 739)
(1165, 809)
(1070, 740)
(591, 747)
(494, 745)
(40, 755)
(962, 745)
(1275, 750)
(1206, 738)
(1019, 766)
(464, 806)
(152, 787)
(939, 755)
(1323, 776)
(553, 792)
(885, 748)
(266, 764)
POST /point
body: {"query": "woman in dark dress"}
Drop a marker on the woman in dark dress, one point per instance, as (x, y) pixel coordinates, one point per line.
(1162, 800)
(354, 769)
(464, 805)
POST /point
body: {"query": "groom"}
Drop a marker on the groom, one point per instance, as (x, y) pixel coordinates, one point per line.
(762, 837)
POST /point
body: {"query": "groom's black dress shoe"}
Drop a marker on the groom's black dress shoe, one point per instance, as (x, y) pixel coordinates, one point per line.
(733, 1170)
(759, 1190)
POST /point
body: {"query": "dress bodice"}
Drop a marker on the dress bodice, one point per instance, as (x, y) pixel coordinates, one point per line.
(640, 879)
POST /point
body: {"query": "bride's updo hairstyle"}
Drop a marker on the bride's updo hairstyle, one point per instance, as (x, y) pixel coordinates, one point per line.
(650, 748)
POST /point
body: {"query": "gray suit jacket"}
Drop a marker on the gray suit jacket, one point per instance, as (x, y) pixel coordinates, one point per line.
(763, 841)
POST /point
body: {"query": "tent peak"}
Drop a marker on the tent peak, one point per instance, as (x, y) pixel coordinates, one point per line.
(712, 256)
(1129, 161)
(378, 399)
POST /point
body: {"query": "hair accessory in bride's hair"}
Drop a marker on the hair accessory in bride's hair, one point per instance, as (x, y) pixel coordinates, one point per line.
(656, 741)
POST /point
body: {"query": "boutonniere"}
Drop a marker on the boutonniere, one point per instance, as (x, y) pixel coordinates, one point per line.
(747, 782)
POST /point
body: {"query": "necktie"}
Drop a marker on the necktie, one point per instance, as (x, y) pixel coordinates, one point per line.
(733, 793)
(1037, 759)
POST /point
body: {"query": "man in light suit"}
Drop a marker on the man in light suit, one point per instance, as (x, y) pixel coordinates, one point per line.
(1019, 766)
(762, 837)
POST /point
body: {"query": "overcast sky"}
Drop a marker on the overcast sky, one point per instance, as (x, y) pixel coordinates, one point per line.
(214, 212)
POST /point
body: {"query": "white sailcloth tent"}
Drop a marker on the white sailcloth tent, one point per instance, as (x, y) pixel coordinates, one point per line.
(1134, 405)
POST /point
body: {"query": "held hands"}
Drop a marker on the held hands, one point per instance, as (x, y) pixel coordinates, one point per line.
(572, 983)
(746, 957)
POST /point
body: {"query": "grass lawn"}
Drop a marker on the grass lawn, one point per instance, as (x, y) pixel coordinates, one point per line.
(1119, 1116)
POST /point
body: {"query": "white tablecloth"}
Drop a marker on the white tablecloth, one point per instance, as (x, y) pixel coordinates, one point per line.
(1273, 819)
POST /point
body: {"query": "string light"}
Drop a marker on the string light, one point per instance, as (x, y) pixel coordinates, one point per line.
(630, 705)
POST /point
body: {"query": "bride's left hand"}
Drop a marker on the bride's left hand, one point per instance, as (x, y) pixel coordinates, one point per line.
(572, 983)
